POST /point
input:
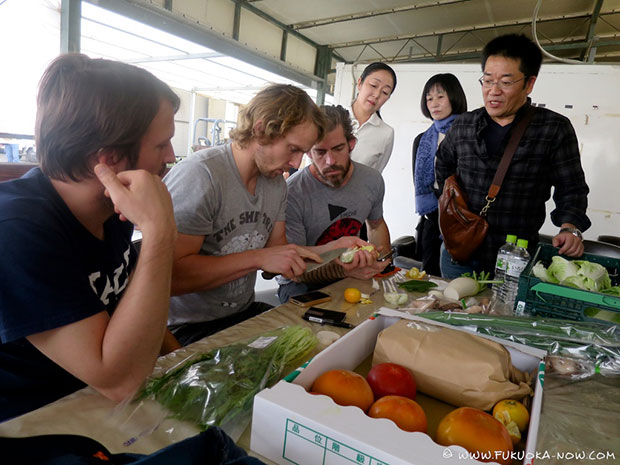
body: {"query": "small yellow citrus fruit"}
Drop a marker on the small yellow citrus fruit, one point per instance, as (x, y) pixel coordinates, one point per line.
(508, 410)
(513, 432)
(352, 295)
(414, 273)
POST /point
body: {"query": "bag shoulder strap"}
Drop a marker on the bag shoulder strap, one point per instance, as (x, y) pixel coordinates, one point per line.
(513, 143)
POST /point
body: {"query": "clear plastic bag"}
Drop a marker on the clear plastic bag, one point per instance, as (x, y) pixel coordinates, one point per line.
(217, 388)
(579, 349)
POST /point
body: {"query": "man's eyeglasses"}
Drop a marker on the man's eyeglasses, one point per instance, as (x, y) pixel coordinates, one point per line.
(487, 83)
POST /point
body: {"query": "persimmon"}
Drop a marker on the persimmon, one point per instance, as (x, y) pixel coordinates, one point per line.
(478, 432)
(345, 388)
(406, 413)
(391, 379)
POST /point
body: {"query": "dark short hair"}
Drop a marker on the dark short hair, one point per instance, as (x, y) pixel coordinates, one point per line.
(451, 85)
(337, 116)
(518, 47)
(85, 105)
(280, 107)
(378, 66)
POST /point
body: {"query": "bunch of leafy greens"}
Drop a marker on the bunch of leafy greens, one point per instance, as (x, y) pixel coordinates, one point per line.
(416, 285)
(580, 274)
(214, 388)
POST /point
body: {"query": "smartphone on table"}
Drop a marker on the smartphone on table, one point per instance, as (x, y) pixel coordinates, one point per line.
(310, 298)
(318, 314)
(326, 317)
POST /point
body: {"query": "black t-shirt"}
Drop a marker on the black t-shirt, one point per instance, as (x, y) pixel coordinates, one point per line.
(494, 135)
(54, 273)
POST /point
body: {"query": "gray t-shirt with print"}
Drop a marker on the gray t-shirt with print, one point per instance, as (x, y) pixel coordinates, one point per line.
(211, 200)
(317, 213)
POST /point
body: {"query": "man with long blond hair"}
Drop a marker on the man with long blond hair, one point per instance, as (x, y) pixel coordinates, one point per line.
(229, 205)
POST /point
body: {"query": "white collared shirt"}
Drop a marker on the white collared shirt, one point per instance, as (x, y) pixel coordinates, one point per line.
(375, 140)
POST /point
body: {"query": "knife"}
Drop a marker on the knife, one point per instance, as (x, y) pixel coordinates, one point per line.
(311, 265)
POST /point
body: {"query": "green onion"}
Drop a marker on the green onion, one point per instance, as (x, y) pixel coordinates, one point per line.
(482, 279)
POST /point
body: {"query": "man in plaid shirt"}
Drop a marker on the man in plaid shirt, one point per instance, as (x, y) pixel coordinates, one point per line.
(547, 156)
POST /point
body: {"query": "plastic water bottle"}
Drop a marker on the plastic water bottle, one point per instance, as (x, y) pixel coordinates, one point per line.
(516, 264)
(503, 255)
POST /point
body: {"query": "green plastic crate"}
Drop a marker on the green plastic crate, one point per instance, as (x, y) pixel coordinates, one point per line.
(535, 297)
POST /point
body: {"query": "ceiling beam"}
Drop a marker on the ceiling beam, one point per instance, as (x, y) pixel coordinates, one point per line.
(371, 14)
(593, 20)
(488, 26)
(167, 21)
(285, 28)
(470, 54)
(70, 30)
(261, 14)
(186, 56)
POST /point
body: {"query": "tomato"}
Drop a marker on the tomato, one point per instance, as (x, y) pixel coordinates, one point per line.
(390, 379)
(345, 388)
(476, 431)
(406, 413)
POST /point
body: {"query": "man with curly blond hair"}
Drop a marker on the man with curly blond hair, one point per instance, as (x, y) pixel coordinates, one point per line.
(230, 204)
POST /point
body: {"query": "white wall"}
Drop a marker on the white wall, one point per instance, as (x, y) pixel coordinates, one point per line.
(592, 90)
(29, 40)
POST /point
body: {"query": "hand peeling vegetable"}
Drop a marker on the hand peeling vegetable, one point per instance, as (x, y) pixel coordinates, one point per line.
(347, 256)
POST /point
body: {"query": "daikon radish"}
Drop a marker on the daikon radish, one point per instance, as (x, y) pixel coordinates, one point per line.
(461, 287)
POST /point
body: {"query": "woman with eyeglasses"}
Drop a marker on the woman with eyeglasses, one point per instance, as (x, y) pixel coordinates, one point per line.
(442, 100)
(375, 138)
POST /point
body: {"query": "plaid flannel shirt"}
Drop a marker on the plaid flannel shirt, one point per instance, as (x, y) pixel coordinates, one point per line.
(547, 156)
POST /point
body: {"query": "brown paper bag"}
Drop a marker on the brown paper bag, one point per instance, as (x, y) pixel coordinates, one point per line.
(456, 367)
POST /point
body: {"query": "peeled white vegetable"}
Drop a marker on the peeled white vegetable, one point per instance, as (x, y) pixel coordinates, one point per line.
(395, 298)
(438, 294)
(347, 256)
(461, 287)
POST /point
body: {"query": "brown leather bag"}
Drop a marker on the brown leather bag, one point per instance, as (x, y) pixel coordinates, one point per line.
(463, 230)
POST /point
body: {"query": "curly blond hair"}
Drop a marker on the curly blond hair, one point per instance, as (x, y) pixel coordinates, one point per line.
(280, 107)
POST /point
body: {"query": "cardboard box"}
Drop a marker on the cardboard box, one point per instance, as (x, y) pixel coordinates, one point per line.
(291, 426)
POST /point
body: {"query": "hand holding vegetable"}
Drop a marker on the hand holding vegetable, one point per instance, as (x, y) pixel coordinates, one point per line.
(349, 255)
(362, 263)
